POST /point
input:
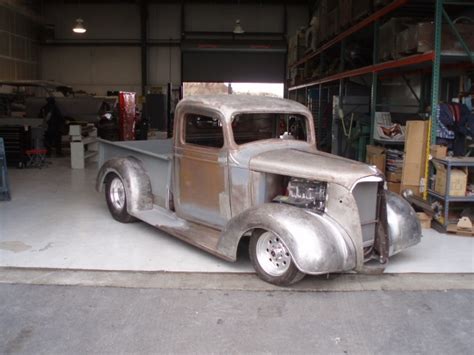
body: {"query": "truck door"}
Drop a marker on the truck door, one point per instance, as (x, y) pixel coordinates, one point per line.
(201, 189)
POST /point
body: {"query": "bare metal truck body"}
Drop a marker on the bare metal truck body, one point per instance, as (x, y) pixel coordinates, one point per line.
(242, 166)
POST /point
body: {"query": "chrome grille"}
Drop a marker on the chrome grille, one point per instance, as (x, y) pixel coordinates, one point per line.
(365, 195)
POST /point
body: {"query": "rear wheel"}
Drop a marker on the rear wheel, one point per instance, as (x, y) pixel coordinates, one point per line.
(272, 260)
(116, 198)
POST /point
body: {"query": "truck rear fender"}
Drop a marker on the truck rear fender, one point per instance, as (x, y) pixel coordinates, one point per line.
(135, 179)
(317, 244)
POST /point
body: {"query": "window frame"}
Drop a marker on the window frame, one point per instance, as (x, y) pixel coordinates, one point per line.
(211, 114)
(310, 136)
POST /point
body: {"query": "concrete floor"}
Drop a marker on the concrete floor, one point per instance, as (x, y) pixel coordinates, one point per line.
(57, 220)
(83, 320)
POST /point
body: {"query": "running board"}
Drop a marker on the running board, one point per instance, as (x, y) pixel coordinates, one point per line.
(201, 236)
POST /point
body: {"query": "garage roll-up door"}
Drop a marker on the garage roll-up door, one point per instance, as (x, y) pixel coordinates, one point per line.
(234, 63)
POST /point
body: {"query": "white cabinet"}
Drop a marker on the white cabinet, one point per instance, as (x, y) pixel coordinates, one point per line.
(84, 145)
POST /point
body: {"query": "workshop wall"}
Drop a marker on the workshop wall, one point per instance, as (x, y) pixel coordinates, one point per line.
(19, 46)
(98, 65)
(94, 69)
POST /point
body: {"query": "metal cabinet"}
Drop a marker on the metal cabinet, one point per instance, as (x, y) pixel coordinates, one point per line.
(446, 199)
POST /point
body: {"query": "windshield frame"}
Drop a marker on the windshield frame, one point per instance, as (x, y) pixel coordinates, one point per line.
(310, 134)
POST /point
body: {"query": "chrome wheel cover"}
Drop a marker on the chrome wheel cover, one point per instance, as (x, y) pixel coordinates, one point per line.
(117, 194)
(272, 255)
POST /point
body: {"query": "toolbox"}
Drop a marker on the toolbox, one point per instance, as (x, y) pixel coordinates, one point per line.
(17, 140)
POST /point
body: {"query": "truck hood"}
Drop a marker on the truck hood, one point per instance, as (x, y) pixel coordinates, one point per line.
(315, 166)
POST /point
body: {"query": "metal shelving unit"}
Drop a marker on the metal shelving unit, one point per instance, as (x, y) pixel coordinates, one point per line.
(429, 63)
(426, 62)
(446, 198)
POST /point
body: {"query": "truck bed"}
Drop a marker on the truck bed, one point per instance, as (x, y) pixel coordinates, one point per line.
(159, 148)
(156, 157)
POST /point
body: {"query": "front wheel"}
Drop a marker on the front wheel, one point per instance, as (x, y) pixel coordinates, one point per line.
(116, 198)
(271, 259)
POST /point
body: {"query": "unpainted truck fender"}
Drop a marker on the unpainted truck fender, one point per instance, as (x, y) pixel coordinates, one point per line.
(317, 244)
(135, 179)
(404, 229)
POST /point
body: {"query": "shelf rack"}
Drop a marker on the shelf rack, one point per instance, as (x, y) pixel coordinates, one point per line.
(429, 62)
(447, 199)
(355, 28)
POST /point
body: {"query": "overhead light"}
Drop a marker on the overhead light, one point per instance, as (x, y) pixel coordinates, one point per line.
(238, 30)
(79, 28)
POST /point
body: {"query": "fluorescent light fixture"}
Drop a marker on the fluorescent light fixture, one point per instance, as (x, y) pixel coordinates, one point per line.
(79, 28)
(238, 30)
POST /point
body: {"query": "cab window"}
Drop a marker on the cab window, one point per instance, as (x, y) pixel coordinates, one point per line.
(251, 127)
(203, 131)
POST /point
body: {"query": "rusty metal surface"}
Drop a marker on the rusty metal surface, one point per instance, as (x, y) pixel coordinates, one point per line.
(404, 229)
(229, 105)
(135, 179)
(220, 193)
(317, 243)
(317, 166)
(154, 157)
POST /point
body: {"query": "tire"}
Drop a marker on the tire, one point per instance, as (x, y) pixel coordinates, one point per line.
(116, 198)
(272, 260)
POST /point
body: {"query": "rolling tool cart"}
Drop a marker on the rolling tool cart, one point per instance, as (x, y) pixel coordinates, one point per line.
(17, 140)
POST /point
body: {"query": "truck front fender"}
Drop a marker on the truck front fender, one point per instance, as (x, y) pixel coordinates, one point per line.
(135, 179)
(404, 228)
(317, 244)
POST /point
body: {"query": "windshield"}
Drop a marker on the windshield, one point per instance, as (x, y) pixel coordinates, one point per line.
(251, 127)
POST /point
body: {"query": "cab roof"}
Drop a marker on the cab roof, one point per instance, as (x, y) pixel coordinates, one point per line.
(230, 104)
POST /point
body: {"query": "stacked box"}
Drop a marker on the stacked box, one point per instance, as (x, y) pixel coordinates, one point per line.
(361, 9)
(329, 19)
(393, 170)
(415, 155)
(419, 38)
(381, 3)
(296, 46)
(457, 184)
(345, 13)
(333, 22)
(312, 33)
(388, 37)
(375, 155)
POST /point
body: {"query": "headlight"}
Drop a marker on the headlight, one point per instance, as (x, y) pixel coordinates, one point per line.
(305, 194)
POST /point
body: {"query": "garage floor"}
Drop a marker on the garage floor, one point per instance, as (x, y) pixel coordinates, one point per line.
(57, 220)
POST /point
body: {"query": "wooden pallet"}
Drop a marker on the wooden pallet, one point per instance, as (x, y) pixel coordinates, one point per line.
(453, 228)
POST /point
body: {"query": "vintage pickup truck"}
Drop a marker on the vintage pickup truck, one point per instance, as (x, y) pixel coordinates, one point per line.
(243, 167)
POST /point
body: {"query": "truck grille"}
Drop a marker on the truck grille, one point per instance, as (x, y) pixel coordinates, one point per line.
(365, 195)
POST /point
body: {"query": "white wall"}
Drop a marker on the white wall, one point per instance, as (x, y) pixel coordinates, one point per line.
(101, 68)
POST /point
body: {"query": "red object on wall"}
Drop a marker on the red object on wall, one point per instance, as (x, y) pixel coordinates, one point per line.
(127, 116)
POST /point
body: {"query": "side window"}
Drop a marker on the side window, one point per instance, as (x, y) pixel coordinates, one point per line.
(203, 130)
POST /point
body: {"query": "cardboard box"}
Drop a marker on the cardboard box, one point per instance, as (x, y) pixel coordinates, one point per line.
(394, 187)
(458, 181)
(414, 159)
(438, 151)
(393, 177)
(419, 38)
(376, 156)
(296, 46)
(345, 13)
(424, 219)
(388, 36)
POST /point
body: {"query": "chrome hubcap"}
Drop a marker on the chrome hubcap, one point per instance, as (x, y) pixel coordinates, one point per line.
(117, 194)
(272, 254)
